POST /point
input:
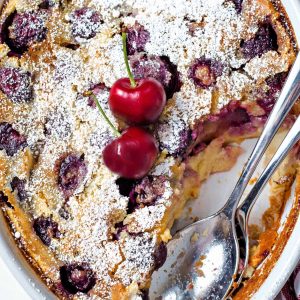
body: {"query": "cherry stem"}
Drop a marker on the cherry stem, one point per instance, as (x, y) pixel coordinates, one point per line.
(130, 75)
(105, 117)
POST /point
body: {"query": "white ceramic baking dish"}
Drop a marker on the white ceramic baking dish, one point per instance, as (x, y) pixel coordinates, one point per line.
(289, 258)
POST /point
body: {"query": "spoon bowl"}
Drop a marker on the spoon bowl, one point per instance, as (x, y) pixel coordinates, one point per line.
(201, 261)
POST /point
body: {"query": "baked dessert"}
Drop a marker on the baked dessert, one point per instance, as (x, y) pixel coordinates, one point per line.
(89, 233)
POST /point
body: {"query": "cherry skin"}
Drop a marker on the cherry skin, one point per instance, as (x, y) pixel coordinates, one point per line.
(131, 155)
(142, 104)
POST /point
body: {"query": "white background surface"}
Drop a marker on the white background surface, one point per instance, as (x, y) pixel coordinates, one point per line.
(10, 289)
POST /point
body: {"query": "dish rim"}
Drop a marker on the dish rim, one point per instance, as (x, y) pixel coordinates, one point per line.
(23, 272)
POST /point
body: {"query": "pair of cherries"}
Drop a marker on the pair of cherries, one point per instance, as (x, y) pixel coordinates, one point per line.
(137, 102)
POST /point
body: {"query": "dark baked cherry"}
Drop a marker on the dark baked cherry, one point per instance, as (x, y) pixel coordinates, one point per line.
(159, 68)
(85, 22)
(145, 294)
(4, 28)
(131, 155)
(125, 186)
(149, 190)
(16, 84)
(72, 171)
(264, 40)
(145, 192)
(10, 139)
(204, 72)
(160, 255)
(238, 117)
(238, 5)
(275, 84)
(132, 204)
(137, 38)
(230, 116)
(18, 185)
(27, 28)
(77, 278)
(46, 229)
(119, 228)
(266, 104)
(46, 4)
(183, 137)
(4, 199)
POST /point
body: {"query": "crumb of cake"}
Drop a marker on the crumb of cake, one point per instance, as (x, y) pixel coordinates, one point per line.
(253, 180)
(195, 237)
(166, 236)
(198, 266)
(248, 272)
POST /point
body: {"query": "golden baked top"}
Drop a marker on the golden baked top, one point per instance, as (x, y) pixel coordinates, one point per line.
(101, 232)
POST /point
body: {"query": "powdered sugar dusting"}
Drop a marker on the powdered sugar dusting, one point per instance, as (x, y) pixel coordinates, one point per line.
(138, 252)
(84, 51)
(263, 67)
(149, 217)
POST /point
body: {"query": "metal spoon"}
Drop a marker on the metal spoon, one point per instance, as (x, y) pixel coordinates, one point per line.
(203, 258)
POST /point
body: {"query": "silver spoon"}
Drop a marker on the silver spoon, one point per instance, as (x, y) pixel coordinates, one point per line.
(203, 258)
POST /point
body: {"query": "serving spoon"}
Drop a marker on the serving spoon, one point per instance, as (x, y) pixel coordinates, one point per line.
(203, 258)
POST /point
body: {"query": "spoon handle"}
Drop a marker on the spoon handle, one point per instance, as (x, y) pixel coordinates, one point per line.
(290, 93)
(290, 140)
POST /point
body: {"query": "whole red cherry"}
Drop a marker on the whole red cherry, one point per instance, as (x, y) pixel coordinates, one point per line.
(142, 104)
(131, 155)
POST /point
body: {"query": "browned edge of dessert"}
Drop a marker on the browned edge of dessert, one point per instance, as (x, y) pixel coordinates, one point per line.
(260, 275)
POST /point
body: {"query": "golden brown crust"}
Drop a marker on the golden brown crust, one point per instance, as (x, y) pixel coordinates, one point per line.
(184, 183)
(276, 249)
